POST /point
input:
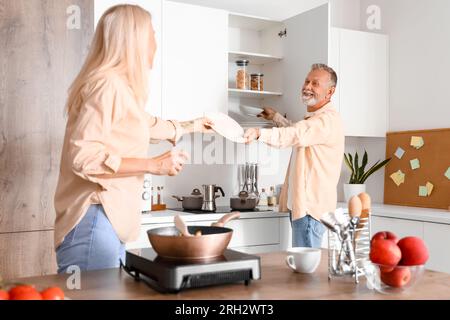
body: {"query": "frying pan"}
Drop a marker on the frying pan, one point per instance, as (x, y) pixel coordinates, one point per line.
(214, 239)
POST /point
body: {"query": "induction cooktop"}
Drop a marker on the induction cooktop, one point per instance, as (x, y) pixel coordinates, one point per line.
(171, 275)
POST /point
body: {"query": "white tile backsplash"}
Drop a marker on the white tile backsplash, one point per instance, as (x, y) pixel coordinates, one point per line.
(214, 160)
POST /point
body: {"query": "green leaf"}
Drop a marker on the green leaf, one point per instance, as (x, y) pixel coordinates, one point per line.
(364, 161)
(347, 162)
(373, 169)
(356, 166)
(349, 165)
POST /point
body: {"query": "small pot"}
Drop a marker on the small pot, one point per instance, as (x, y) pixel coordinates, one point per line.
(243, 202)
(351, 190)
(193, 201)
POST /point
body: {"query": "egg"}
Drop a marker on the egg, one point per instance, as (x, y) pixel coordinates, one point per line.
(354, 206)
(365, 201)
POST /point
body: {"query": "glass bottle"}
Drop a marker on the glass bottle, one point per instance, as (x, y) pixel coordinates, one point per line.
(158, 195)
(263, 198)
(272, 199)
(161, 195)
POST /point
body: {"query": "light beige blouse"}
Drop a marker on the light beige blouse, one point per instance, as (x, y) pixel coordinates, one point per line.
(109, 126)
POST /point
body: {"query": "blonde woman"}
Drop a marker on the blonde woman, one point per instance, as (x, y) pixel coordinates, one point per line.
(103, 161)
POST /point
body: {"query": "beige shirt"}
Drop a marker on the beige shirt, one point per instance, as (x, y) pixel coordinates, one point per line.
(109, 126)
(318, 143)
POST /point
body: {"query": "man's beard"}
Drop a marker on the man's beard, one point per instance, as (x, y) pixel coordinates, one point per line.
(309, 102)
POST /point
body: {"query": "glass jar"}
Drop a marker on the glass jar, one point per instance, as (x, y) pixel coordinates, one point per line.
(242, 77)
(257, 82)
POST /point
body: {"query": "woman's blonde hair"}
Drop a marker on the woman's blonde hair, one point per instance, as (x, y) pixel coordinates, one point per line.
(121, 45)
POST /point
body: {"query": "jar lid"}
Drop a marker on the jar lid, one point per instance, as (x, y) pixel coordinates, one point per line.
(242, 62)
(257, 74)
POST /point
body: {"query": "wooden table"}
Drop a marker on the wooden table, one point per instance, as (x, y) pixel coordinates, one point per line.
(277, 282)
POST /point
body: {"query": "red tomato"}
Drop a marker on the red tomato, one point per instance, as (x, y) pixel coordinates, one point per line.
(52, 293)
(24, 292)
(4, 295)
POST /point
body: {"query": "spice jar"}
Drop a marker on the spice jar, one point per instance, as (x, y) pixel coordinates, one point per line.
(242, 78)
(257, 82)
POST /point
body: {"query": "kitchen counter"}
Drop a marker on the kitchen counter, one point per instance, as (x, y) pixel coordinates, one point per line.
(166, 216)
(278, 282)
(408, 213)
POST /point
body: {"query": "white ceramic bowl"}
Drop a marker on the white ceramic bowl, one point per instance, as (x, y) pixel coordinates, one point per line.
(250, 111)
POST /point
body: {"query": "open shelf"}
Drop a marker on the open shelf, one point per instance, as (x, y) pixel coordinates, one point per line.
(252, 93)
(255, 58)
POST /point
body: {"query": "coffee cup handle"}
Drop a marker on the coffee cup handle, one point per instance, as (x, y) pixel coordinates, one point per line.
(291, 262)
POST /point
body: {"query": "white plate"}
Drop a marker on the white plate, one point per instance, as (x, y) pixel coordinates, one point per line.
(250, 111)
(226, 127)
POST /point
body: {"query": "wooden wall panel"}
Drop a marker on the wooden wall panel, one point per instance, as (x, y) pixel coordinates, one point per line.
(26, 254)
(39, 57)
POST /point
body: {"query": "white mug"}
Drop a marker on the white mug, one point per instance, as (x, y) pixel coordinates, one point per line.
(304, 260)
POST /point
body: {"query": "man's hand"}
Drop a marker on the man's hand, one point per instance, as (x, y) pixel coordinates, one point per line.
(251, 134)
(268, 113)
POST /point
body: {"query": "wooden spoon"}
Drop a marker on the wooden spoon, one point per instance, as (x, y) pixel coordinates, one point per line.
(181, 226)
(226, 218)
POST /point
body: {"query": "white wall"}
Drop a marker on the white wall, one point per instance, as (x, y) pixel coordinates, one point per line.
(418, 74)
(419, 35)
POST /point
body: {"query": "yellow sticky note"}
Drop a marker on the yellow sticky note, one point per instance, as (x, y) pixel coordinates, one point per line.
(447, 173)
(398, 177)
(417, 142)
(429, 187)
(423, 192)
(415, 164)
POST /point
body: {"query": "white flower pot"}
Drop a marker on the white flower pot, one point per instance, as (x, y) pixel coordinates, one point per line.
(351, 190)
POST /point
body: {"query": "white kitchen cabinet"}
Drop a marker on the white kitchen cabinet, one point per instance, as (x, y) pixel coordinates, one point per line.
(153, 105)
(435, 235)
(253, 235)
(194, 61)
(284, 58)
(437, 238)
(402, 228)
(361, 62)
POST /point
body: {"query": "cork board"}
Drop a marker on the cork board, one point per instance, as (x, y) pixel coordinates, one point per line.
(434, 160)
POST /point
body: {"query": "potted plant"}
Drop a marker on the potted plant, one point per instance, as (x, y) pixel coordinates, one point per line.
(358, 174)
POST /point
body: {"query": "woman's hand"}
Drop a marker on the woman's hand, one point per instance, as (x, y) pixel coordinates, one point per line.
(198, 125)
(169, 163)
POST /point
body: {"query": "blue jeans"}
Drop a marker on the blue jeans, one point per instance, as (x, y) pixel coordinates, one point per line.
(307, 232)
(92, 244)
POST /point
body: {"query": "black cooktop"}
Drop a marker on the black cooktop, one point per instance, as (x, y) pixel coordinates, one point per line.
(170, 275)
(220, 209)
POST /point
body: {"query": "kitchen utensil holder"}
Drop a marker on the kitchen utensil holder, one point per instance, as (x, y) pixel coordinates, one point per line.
(360, 237)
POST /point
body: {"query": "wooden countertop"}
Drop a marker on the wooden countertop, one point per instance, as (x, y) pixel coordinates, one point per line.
(277, 282)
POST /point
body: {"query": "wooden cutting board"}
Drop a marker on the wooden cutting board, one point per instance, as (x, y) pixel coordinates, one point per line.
(434, 159)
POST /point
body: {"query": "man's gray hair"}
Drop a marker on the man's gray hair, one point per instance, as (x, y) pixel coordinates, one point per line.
(331, 72)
